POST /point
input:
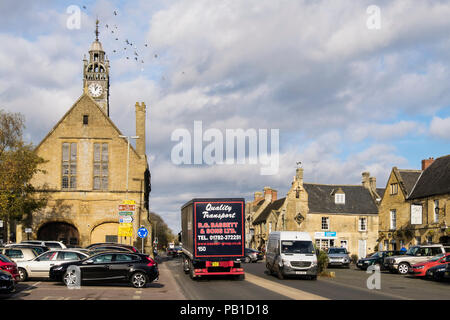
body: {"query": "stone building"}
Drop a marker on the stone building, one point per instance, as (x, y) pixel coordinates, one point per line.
(91, 168)
(334, 215)
(415, 205)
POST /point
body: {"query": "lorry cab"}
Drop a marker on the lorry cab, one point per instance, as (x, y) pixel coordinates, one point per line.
(291, 253)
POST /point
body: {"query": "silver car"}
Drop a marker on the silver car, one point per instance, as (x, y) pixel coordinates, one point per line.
(19, 254)
(40, 266)
(50, 244)
(338, 257)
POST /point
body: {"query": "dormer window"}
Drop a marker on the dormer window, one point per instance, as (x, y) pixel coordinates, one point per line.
(339, 198)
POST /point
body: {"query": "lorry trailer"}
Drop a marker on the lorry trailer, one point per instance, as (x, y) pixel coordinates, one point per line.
(213, 236)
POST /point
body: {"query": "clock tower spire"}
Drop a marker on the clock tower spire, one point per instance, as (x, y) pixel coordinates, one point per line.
(96, 73)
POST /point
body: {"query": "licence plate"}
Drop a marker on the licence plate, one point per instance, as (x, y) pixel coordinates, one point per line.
(215, 264)
(300, 272)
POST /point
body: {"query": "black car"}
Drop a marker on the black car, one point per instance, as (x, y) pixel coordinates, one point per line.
(438, 272)
(7, 282)
(136, 268)
(107, 244)
(376, 258)
(110, 248)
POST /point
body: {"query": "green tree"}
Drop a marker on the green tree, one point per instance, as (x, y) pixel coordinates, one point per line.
(161, 230)
(18, 164)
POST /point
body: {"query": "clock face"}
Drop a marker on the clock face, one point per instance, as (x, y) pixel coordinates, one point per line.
(95, 90)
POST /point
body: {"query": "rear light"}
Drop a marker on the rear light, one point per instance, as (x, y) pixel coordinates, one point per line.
(151, 262)
(134, 249)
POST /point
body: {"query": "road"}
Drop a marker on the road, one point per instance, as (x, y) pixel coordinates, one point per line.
(174, 284)
(349, 284)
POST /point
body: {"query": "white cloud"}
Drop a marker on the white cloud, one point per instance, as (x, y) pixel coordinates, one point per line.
(440, 128)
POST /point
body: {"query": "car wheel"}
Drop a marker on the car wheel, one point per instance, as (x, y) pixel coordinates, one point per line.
(247, 259)
(138, 280)
(403, 268)
(70, 278)
(23, 275)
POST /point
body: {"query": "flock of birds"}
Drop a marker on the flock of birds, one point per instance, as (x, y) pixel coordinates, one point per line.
(130, 50)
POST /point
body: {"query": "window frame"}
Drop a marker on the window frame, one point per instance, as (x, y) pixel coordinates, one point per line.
(101, 163)
(365, 224)
(325, 222)
(71, 165)
(392, 214)
(393, 188)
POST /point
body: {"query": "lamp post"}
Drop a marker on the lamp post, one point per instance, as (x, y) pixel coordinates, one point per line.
(128, 164)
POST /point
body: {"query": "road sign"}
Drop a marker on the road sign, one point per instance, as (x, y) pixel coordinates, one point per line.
(142, 232)
(127, 207)
(126, 219)
(125, 230)
(28, 230)
(126, 213)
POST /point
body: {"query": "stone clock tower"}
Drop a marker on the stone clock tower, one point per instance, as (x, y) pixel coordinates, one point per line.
(96, 74)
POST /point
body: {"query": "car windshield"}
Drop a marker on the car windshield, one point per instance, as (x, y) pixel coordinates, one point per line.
(297, 247)
(377, 255)
(436, 258)
(337, 251)
(412, 251)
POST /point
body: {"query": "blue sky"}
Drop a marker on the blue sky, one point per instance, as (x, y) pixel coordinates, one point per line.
(345, 99)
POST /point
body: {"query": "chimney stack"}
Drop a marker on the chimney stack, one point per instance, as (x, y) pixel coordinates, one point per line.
(426, 163)
(140, 128)
(258, 196)
(270, 194)
(366, 180)
(373, 183)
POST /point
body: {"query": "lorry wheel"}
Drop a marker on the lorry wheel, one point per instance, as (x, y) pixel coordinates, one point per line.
(191, 270)
(269, 268)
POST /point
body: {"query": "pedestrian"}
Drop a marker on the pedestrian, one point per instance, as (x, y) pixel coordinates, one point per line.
(403, 249)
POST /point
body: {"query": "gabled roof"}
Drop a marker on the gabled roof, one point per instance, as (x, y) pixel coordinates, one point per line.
(276, 205)
(434, 180)
(84, 96)
(407, 179)
(358, 199)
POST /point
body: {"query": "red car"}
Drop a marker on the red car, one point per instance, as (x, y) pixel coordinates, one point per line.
(10, 266)
(420, 269)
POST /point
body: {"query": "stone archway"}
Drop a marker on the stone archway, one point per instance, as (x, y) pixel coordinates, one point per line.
(105, 232)
(59, 231)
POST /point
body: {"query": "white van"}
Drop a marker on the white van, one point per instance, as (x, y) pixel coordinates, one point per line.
(291, 253)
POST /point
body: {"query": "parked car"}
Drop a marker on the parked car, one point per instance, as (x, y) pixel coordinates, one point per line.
(39, 267)
(377, 258)
(50, 244)
(10, 266)
(437, 273)
(7, 282)
(447, 272)
(110, 248)
(339, 257)
(38, 248)
(251, 255)
(175, 251)
(19, 254)
(103, 244)
(415, 254)
(420, 269)
(136, 268)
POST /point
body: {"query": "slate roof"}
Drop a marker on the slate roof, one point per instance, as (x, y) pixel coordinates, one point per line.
(266, 212)
(380, 192)
(409, 179)
(358, 199)
(435, 180)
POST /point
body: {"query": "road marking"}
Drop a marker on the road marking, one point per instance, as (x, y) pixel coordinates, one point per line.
(284, 290)
(36, 284)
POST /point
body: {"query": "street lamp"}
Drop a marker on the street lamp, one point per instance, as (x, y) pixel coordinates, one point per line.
(128, 155)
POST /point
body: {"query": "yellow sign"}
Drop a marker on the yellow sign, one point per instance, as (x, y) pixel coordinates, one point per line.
(129, 202)
(125, 230)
